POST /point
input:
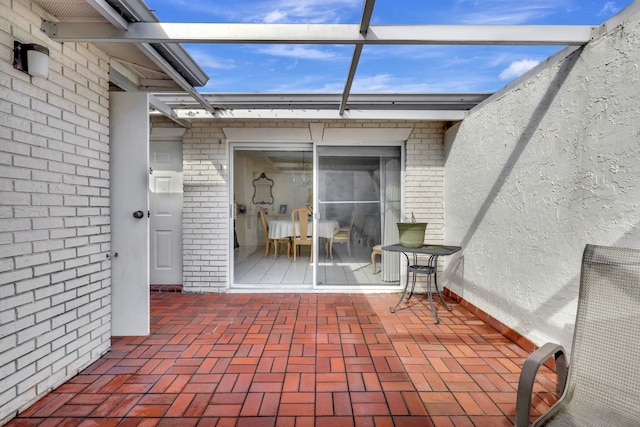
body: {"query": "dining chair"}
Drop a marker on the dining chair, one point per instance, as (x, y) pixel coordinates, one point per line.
(268, 241)
(301, 235)
(342, 235)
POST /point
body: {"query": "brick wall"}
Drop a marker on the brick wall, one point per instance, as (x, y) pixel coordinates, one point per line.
(54, 210)
(205, 211)
(424, 178)
(206, 183)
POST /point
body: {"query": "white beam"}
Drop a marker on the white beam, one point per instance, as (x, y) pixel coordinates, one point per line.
(167, 111)
(315, 133)
(158, 32)
(119, 79)
(292, 114)
(103, 8)
(249, 134)
(367, 135)
(181, 81)
(481, 34)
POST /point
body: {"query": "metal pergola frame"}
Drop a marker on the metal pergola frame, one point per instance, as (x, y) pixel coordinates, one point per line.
(131, 22)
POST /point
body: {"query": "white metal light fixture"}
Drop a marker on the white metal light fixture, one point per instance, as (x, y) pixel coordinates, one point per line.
(31, 58)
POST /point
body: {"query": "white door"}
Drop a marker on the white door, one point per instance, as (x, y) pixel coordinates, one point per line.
(129, 176)
(165, 198)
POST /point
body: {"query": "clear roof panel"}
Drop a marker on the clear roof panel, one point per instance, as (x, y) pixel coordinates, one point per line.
(273, 68)
(406, 69)
(496, 12)
(381, 69)
(259, 11)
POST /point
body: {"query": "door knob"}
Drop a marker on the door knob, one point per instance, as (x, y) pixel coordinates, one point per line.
(138, 214)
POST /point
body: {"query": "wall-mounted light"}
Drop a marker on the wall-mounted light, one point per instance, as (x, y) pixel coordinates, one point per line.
(31, 58)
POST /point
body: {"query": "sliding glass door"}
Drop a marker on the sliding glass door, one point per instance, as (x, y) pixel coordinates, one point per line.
(359, 194)
(353, 194)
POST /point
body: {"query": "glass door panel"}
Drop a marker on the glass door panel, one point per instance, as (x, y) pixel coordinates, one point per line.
(268, 183)
(359, 192)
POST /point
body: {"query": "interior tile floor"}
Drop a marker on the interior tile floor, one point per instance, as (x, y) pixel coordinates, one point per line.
(344, 271)
(297, 360)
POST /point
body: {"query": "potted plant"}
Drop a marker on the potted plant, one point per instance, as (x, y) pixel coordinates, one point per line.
(412, 233)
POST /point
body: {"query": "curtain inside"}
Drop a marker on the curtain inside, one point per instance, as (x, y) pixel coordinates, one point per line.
(390, 195)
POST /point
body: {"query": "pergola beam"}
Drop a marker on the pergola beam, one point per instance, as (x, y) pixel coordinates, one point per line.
(158, 32)
(310, 114)
(327, 101)
(365, 20)
(162, 63)
(324, 106)
(109, 14)
(167, 111)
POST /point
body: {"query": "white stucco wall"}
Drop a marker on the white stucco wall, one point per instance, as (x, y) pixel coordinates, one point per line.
(54, 213)
(535, 175)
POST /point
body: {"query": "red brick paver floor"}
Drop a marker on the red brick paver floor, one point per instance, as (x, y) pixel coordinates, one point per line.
(297, 360)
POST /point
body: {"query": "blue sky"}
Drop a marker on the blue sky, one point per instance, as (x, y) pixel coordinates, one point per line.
(382, 69)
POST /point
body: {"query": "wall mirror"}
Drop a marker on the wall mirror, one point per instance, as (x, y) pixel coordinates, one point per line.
(262, 190)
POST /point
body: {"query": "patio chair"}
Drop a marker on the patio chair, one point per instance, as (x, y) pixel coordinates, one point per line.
(342, 235)
(301, 231)
(601, 386)
(376, 250)
(269, 241)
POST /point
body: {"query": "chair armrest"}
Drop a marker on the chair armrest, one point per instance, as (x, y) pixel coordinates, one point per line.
(527, 378)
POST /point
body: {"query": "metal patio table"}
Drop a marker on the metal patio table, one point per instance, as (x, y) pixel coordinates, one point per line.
(430, 269)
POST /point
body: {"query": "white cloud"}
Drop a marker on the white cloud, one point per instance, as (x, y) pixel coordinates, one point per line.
(296, 11)
(388, 83)
(311, 84)
(299, 52)
(609, 8)
(206, 60)
(517, 68)
(380, 83)
(275, 16)
(261, 11)
(496, 12)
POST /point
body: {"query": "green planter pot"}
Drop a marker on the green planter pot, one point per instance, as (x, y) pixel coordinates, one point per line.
(411, 235)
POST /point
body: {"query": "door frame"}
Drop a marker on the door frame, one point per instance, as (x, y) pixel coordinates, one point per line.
(301, 146)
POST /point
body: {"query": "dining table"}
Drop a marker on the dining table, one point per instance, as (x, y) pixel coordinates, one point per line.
(429, 268)
(281, 227)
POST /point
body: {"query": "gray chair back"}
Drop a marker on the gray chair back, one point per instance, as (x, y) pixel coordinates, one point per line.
(603, 385)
